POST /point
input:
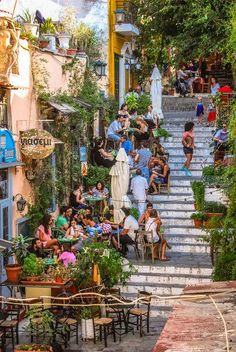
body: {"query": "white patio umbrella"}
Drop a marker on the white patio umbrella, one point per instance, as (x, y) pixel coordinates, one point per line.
(119, 186)
(156, 92)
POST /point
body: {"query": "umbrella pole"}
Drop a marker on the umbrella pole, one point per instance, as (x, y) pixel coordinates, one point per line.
(118, 235)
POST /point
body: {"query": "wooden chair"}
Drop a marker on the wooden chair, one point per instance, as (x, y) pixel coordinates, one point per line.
(106, 326)
(10, 324)
(164, 185)
(2, 340)
(140, 315)
(145, 246)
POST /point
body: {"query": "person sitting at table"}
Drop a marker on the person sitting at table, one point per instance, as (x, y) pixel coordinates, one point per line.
(100, 156)
(126, 116)
(100, 190)
(158, 150)
(141, 133)
(127, 235)
(159, 176)
(44, 233)
(115, 129)
(67, 256)
(36, 248)
(126, 144)
(74, 230)
(91, 227)
(76, 198)
(62, 222)
(109, 218)
(146, 215)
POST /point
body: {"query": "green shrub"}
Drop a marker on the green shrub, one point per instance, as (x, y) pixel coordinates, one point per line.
(32, 266)
(134, 212)
(143, 103)
(132, 102)
(198, 188)
(97, 173)
(215, 207)
(225, 266)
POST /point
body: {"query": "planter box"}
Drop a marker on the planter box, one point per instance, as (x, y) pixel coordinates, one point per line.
(198, 223)
(210, 216)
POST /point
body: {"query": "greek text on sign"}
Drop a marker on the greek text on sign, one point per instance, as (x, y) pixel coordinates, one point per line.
(36, 144)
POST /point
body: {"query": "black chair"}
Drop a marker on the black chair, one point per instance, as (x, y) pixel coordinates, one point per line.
(10, 323)
(2, 340)
(140, 315)
(105, 326)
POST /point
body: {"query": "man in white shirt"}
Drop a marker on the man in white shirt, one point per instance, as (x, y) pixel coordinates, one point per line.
(127, 236)
(115, 128)
(139, 187)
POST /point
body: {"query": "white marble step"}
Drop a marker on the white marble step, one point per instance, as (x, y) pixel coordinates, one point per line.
(178, 144)
(180, 158)
(183, 238)
(172, 197)
(200, 152)
(167, 268)
(156, 289)
(175, 231)
(174, 206)
(188, 248)
(177, 165)
(178, 221)
(200, 139)
(182, 173)
(176, 214)
(169, 279)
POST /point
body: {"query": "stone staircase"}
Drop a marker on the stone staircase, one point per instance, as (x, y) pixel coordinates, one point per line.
(189, 257)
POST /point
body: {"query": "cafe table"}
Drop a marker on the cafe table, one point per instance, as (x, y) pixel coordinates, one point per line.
(97, 201)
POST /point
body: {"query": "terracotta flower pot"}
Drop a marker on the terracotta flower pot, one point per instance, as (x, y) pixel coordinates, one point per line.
(209, 216)
(59, 280)
(198, 223)
(13, 272)
(43, 44)
(71, 52)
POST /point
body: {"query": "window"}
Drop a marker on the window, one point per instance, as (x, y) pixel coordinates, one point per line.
(5, 224)
(23, 227)
(3, 184)
(3, 109)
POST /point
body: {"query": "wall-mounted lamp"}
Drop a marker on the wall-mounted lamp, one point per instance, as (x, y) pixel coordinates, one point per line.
(120, 16)
(20, 203)
(100, 68)
(127, 65)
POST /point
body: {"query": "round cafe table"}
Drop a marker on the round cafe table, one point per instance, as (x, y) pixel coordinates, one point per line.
(97, 201)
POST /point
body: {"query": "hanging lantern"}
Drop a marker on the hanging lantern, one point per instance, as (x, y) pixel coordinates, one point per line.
(132, 61)
(100, 68)
(138, 66)
(120, 16)
(20, 203)
(127, 65)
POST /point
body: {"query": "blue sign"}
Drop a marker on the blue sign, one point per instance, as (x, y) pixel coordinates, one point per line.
(7, 147)
(83, 154)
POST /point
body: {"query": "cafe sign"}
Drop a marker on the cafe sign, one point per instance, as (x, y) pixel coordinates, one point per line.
(36, 143)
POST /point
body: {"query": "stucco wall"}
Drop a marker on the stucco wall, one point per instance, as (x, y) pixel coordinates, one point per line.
(23, 112)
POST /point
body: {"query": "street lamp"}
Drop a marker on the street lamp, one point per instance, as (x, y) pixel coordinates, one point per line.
(138, 66)
(100, 68)
(120, 16)
(20, 203)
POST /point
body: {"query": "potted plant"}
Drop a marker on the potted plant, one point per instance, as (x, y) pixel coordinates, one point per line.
(198, 188)
(28, 22)
(19, 250)
(132, 102)
(48, 30)
(198, 219)
(69, 24)
(43, 42)
(214, 209)
(33, 348)
(61, 273)
(63, 37)
(33, 268)
(87, 314)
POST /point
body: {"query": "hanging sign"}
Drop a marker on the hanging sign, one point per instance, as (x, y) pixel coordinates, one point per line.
(7, 146)
(83, 154)
(36, 144)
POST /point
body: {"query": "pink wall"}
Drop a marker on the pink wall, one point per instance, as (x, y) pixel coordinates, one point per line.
(23, 107)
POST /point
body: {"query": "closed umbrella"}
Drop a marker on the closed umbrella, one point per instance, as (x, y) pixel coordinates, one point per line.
(119, 185)
(156, 92)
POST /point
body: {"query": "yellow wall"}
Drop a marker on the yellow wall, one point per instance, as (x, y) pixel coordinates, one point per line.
(115, 44)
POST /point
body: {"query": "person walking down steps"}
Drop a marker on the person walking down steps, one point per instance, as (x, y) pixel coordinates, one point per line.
(188, 146)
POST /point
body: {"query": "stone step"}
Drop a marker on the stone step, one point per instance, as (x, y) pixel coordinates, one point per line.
(175, 172)
(183, 238)
(194, 165)
(181, 221)
(165, 205)
(205, 160)
(183, 231)
(173, 279)
(172, 197)
(188, 247)
(190, 178)
(175, 213)
(158, 289)
(178, 144)
(176, 139)
(201, 152)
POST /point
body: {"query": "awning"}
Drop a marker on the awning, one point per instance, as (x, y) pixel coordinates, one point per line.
(13, 164)
(63, 108)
